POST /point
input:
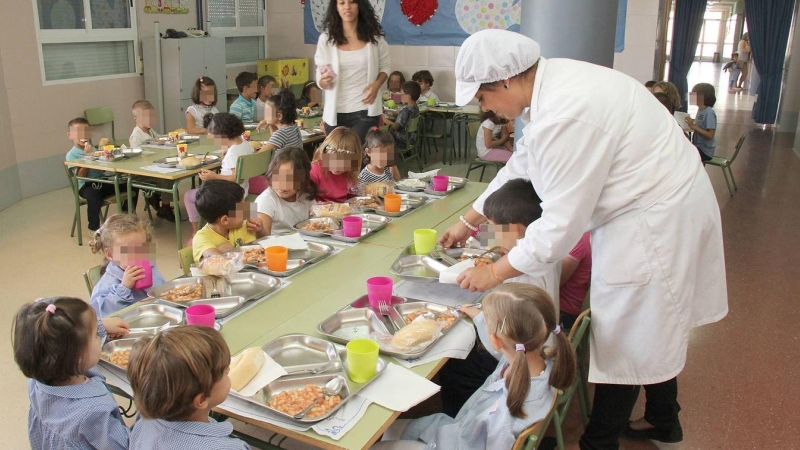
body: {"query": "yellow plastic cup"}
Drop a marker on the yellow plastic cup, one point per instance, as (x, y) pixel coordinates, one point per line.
(424, 240)
(362, 359)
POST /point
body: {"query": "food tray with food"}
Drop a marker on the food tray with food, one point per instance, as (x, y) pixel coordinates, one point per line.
(180, 290)
(174, 161)
(480, 256)
(365, 203)
(117, 353)
(392, 331)
(152, 317)
(255, 258)
(248, 285)
(223, 306)
(322, 226)
(301, 354)
(418, 268)
(326, 227)
(410, 185)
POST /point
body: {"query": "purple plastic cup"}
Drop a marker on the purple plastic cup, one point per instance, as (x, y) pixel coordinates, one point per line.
(147, 281)
(202, 315)
(440, 183)
(379, 289)
(351, 226)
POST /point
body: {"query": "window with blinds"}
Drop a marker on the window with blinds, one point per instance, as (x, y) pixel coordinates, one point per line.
(242, 24)
(80, 39)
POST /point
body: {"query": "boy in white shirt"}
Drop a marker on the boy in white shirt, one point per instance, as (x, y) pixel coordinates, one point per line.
(425, 81)
(144, 116)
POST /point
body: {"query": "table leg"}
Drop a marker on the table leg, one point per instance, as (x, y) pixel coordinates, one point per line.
(176, 200)
(131, 209)
(117, 194)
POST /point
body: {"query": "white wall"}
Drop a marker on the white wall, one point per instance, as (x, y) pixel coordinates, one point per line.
(789, 110)
(638, 58)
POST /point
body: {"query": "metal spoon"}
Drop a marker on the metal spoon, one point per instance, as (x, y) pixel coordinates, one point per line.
(331, 388)
(315, 370)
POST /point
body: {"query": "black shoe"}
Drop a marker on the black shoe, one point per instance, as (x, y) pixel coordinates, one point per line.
(166, 213)
(657, 434)
(153, 200)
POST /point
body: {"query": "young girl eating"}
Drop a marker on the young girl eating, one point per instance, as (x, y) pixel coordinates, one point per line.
(290, 195)
(204, 96)
(493, 141)
(227, 130)
(125, 241)
(379, 147)
(177, 377)
(265, 85)
(335, 166)
(516, 321)
(310, 95)
(279, 116)
(57, 343)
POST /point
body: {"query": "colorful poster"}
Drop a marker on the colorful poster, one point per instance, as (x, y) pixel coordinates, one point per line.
(166, 6)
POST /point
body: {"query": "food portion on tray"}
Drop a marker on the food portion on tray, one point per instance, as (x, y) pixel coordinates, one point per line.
(293, 401)
(329, 227)
(319, 226)
(120, 358)
(184, 293)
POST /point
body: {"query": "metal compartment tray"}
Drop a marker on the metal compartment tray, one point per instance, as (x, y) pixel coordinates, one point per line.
(152, 317)
(301, 353)
(113, 346)
(372, 223)
(298, 259)
(418, 268)
(224, 306)
(249, 285)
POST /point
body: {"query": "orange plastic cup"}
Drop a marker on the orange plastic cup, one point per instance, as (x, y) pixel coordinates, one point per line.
(276, 258)
(392, 202)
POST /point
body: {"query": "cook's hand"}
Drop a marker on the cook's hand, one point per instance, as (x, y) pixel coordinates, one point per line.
(479, 279)
(456, 234)
(254, 225)
(116, 327)
(372, 93)
(326, 81)
(469, 310)
(132, 275)
(206, 175)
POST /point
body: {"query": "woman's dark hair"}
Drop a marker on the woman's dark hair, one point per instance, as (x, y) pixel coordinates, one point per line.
(399, 74)
(306, 93)
(423, 76)
(284, 104)
(368, 28)
(489, 114)
(664, 99)
(51, 347)
(203, 81)
(217, 198)
(226, 125)
(516, 202)
(708, 93)
(496, 85)
(301, 169)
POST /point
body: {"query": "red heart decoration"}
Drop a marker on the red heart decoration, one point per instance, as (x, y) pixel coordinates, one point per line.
(419, 11)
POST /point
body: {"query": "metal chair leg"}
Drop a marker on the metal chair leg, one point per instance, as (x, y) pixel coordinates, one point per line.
(483, 171)
(730, 171)
(728, 183)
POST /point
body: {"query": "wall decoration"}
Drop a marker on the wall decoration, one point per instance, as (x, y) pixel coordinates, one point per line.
(166, 6)
(419, 11)
(476, 15)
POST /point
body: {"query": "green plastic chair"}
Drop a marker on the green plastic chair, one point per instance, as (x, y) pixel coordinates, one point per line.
(725, 164)
(91, 277)
(430, 136)
(532, 436)
(411, 151)
(472, 131)
(80, 201)
(99, 116)
(250, 166)
(186, 257)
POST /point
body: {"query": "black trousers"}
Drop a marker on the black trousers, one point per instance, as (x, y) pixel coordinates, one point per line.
(612, 409)
(94, 193)
(359, 121)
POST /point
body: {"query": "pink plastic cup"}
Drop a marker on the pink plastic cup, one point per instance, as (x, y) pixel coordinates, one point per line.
(440, 183)
(202, 315)
(351, 226)
(147, 281)
(379, 289)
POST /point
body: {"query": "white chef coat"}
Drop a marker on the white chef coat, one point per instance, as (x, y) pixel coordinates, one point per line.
(614, 162)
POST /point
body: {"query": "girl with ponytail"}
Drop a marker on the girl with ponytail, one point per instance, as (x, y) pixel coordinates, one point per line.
(279, 116)
(516, 321)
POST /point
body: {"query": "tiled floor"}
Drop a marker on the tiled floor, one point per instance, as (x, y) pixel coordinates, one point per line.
(739, 389)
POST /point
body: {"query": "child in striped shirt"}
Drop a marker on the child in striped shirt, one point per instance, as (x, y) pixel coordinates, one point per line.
(244, 107)
(379, 147)
(57, 343)
(177, 377)
(279, 116)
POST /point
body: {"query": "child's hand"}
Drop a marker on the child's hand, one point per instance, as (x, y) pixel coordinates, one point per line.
(469, 310)
(116, 327)
(87, 147)
(132, 275)
(254, 225)
(262, 123)
(690, 122)
(206, 175)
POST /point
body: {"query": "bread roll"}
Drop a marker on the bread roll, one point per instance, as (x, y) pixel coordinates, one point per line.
(245, 366)
(378, 189)
(191, 161)
(415, 333)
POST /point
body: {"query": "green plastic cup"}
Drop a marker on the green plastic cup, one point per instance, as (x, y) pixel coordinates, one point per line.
(362, 359)
(424, 240)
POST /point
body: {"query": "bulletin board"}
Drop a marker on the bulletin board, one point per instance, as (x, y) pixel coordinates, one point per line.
(166, 6)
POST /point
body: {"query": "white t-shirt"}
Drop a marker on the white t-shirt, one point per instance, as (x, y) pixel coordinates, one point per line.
(480, 142)
(423, 98)
(199, 111)
(352, 80)
(259, 109)
(139, 137)
(284, 214)
(230, 159)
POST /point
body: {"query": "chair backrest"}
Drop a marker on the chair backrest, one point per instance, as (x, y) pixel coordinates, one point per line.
(739, 145)
(186, 256)
(91, 277)
(473, 128)
(249, 166)
(99, 116)
(579, 328)
(73, 180)
(532, 436)
(411, 132)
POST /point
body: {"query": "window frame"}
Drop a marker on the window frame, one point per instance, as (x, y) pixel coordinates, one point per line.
(239, 31)
(86, 35)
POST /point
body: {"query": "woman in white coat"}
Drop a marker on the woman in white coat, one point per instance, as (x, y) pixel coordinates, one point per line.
(352, 62)
(613, 162)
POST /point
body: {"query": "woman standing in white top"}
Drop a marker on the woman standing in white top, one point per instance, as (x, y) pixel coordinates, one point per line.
(744, 59)
(654, 222)
(352, 62)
